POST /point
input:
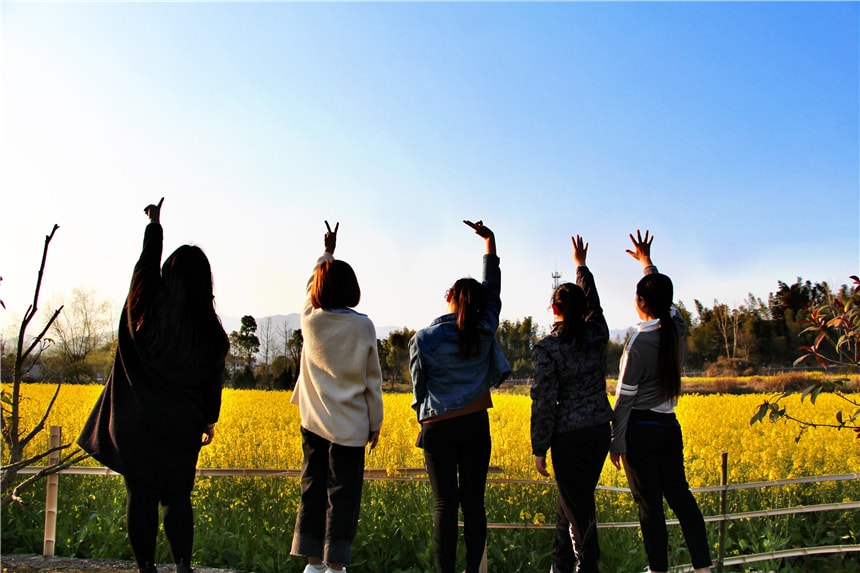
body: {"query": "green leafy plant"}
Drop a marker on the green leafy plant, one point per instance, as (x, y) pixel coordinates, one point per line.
(836, 326)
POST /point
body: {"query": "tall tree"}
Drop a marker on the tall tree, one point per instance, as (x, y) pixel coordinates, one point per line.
(397, 359)
(267, 350)
(517, 340)
(294, 351)
(85, 325)
(245, 342)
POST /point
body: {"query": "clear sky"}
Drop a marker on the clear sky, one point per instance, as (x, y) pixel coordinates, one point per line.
(730, 130)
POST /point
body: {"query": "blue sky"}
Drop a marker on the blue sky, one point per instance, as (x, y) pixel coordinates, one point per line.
(730, 130)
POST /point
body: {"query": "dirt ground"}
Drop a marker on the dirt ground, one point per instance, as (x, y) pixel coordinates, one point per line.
(41, 564)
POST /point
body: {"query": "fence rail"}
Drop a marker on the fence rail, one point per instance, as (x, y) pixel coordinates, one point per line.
(419, 474)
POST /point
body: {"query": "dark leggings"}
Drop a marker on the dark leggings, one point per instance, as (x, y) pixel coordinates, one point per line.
(457, 455)
(141, 512)
(577, 458)
(655, 469)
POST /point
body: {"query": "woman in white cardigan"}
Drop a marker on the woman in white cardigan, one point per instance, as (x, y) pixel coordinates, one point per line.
(339, 394)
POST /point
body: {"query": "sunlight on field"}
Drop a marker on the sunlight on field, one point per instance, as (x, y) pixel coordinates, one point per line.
(260, 429)
(246, 522)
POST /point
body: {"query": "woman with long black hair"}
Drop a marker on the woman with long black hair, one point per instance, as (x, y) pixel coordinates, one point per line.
(454, 363)
(162, 398)
(646, 436)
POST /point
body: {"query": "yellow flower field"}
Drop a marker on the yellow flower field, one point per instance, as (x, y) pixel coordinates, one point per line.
(246, 522)
(259, 429)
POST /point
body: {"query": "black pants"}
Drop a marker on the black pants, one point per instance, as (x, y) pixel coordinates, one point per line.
(332, 477)
(457, 456)
(141, 514)
(655, 469)
(577, 459)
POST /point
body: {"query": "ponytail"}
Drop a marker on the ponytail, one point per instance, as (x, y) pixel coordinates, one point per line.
(569, 300)
(657, 291)
(471, 303)
(669, 358)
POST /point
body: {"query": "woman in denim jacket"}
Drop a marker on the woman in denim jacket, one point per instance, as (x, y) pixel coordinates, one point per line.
(454, 362)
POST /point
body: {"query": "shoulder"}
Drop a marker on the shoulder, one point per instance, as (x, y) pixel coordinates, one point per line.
(547, 343)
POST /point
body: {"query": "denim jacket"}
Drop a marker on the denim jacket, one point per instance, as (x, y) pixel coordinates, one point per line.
(442, 380)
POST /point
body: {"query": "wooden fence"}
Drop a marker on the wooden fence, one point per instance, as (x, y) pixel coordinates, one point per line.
(419, 474)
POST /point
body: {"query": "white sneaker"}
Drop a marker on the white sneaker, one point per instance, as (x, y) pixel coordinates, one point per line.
(330, 570)
(314, 568)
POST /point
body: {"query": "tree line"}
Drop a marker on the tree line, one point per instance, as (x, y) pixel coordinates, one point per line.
(755, 337)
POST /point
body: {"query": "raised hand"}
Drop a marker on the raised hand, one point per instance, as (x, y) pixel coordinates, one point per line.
(580, 250)
(154, 211)
(330, 238)
(483, 231)
(480, 229)
(642, 246)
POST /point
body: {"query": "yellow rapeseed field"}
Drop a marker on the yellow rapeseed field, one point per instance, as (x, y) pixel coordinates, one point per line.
(259, 429)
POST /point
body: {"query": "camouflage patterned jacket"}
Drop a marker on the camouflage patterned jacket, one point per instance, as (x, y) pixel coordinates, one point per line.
(569, 387)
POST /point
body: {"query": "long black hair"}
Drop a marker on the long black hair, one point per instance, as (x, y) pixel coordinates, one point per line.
(182, 325)
(568, 300)
(471, 302)
(657, 291)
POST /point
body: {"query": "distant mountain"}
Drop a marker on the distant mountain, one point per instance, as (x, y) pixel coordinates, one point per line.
(232, 323)
(293, 321)
(619, 335)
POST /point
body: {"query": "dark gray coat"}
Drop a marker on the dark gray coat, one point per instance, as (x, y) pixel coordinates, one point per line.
(148, 422)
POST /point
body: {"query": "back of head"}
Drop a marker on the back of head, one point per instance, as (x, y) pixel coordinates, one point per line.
(186, 326)
(471, 300)
(188, 277)
(335, 285)
(568, 301)
(657, 291)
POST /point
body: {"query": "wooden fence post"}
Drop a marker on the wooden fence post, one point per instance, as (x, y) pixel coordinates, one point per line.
(724, 480)
(51, 494)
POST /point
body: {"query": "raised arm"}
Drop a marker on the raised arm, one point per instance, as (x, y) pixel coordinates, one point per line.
(593, 311)
(145, 280)
(329, 243)
(492, 275)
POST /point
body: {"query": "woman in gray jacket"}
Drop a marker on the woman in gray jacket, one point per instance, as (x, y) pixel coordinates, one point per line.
(646, 436)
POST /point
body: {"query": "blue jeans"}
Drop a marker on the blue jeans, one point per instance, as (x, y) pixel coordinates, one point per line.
(655, 469)
(332, 477)
(577, 460)
(457, 456)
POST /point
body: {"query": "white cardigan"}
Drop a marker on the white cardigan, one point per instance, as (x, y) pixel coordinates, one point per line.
(339, 390)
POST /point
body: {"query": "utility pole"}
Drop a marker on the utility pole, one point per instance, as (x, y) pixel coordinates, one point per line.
(555, 279)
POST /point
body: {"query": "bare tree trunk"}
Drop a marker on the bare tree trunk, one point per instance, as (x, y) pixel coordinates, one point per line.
(14, 437)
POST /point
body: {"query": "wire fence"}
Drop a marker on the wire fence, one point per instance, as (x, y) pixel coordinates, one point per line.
(419, 475)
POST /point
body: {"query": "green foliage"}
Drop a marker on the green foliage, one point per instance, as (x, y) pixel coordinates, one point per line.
(247, 523)
(396, 352)
(245, 342)
(835, 322)
(517, 340)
